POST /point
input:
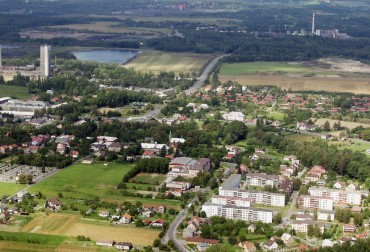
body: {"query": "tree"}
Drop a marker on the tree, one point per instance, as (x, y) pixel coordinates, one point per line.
(326, 126)
(163, 151)
(277, 218)
(29, 178)
(156, 243)
(22, 179)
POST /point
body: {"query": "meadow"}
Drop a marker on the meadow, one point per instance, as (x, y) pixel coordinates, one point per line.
(156, 62)
(14, 91)
(95, 180)
(10, 188)
(81, 180)
(294, 77)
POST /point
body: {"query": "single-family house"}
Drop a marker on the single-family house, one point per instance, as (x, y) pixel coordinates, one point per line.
(87, 160)
(115, 147)
(287, 239)
(251, 228)
(54, 203)
(270, 245)
(157, 223)
(74, 154)
(126, 219)
(349, 228)
(247, 246)
(104, 213)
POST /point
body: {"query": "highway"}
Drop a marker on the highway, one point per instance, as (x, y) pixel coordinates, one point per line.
(202, 78)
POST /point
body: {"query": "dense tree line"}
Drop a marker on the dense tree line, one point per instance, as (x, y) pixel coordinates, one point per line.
(148, 165)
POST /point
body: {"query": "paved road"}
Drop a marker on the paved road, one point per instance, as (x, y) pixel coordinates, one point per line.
(201, 79)
(171, 232)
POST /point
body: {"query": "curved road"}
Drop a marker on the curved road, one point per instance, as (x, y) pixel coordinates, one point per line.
(171, 232)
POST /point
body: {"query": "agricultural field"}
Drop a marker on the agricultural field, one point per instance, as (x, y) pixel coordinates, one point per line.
(10, 188)
(14, 91)
(325, 75)
(156, 62)
(113, 27)
(202, 20)
(146, 178)
(349, 125)
(72, 225)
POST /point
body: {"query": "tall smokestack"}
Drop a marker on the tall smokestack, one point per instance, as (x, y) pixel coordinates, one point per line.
(313, 23)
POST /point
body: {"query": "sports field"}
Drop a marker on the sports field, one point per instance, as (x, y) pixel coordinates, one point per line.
(295, 77)
(71, 225)
(14, 91)
(156, 62)
(10, 188)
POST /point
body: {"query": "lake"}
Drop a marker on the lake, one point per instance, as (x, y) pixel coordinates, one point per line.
(106, 56)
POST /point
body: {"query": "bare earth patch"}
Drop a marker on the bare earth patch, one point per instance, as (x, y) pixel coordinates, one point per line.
(346, 65)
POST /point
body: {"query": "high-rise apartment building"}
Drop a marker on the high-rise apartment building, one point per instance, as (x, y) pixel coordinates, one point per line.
(45, 60)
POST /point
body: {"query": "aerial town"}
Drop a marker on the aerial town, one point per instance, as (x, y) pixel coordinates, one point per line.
(113, 137)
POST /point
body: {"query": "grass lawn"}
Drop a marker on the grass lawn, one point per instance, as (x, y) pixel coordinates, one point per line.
(156, 62)
(147, 178)
(14, 91)
(301, 138)
(279, 116)
(253, 67)
(82, 180)
(10, 188)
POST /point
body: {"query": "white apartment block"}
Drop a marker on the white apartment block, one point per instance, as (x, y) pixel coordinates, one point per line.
(259, 197)
(302, 226)
(234, 116)
(325, 215)
(223, 200)
(238, 213)
(308, 201)
(338, 196)
(261, 180)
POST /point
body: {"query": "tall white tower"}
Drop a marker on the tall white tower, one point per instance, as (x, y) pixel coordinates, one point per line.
(313, 23)
(45, 60)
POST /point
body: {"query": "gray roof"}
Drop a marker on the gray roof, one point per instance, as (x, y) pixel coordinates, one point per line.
(232, 182)
(182, 160)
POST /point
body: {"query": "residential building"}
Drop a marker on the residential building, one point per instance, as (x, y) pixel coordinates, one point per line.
(287, 239)
(247, 246)
(105, 243)
(259, 197)
(325, 215)
(234, 116)
(54, 203)
(224, 200)
(237, 212)
(45, 63)
(302, 226)
(349, 228)
(261, 180)
(154, 147)
(338, 196)
(270, 245)
(126, 219)
(307, 201)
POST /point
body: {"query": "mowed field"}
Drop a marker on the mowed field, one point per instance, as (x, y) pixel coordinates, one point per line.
(10, 188)
(294, 77)
(71, 225)
(148, 178)
(83, 180)
(14, 91)
(156, 62)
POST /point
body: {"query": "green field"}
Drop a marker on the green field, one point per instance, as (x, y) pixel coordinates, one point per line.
(14, 91)
(255, 67)
(156, 62)
(146, 178)
(81, 180)
(10, 188)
